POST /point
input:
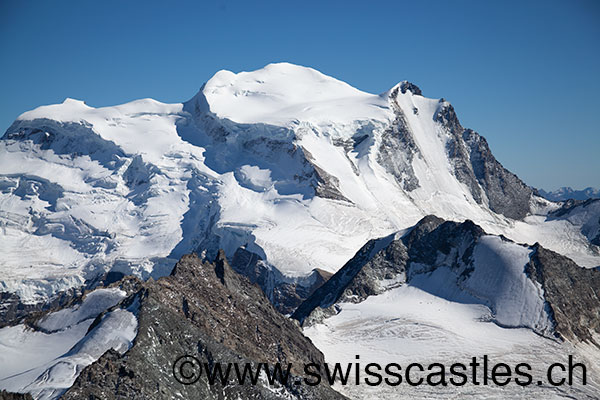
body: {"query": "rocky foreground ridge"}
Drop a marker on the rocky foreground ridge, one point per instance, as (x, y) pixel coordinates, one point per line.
(208, 311)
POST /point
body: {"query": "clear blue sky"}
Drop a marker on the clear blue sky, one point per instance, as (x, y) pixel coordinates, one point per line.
(525, 74)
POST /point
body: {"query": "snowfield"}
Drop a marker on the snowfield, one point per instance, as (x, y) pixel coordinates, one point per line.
(411, 325)
(465, 298)
(45, 361)
(284, 160)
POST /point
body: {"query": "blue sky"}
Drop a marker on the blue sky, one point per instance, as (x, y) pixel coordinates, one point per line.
(525, 74)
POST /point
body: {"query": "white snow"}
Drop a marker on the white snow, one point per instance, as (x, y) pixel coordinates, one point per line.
(586, 216)
(500, 276)
(258, 179)
(47, 364)
(93, 304)
(282, 93)
(410, 325)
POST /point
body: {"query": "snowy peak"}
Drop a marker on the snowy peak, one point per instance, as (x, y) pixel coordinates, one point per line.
(281, 93)
(59, 112)
(284, 93)
(297, 83)
(402, 88)
(295, 166)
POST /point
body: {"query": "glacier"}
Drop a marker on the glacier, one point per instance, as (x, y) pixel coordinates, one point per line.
(46, 358)
(295, 166)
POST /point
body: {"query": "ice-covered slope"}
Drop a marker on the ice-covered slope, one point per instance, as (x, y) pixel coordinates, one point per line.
(46, 360)
(585, 214)
(456, 261)
(410, 325)
(445, 292)
(85, 189)
(296, 166)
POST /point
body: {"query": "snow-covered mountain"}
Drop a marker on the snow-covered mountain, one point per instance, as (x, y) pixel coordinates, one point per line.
(87, 350)
(443, 291)
(297, 167)
(568, 193)
(290, 172)
(45, 357)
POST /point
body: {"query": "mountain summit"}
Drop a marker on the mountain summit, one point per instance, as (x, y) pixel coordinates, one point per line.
(282, 93)
(377, 220)
(295, 167)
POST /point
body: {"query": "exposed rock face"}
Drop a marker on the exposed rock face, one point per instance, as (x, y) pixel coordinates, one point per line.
(378, 265)
(384, 263)
(506, 193)
(398, 148)
(4, 395)
(214, 314)
(476, 167)
(458, 150)
(569, 304)
(285, 294)
(288, 296)
(442, 243)
(13, 310)
(572, 292)
(405, 85)
(324, 184)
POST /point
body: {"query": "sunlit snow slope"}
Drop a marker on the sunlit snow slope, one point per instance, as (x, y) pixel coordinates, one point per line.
(445, 292)
(45, 361)
(409, 324)
(301, 168)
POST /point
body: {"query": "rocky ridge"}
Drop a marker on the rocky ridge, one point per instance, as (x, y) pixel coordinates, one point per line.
(208, 311)
(570, 301)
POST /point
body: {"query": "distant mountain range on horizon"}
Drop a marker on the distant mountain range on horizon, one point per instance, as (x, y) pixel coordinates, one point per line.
(566, 193)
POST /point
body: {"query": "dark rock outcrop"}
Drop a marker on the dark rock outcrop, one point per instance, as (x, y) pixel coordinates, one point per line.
(398, 148)
(378, 261)
(572, 292)
(4, 395)
(414, 89)
(209, 311)
(476, 167)
(384, 263)
(506, 193)
(324, 184)
(285, 294)
(13, 311)
(433, 237)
